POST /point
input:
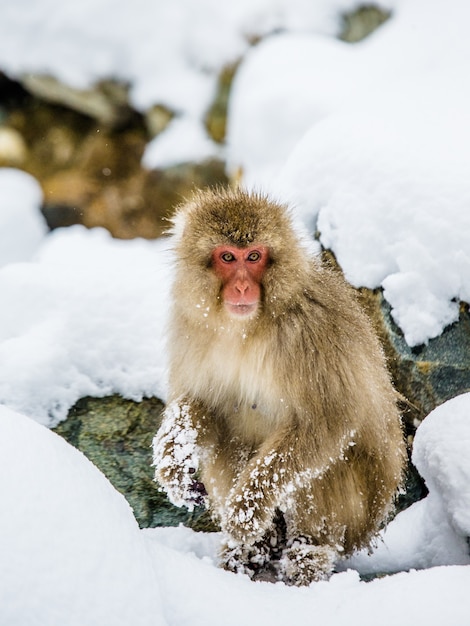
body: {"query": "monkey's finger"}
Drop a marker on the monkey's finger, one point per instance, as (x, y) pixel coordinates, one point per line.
(198, 488)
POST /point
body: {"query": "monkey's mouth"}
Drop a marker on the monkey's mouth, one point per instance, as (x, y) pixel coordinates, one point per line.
(241, 310)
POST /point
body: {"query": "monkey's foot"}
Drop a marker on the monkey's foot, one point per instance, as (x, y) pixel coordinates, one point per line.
(245, 559)
(260, 560)
(303, 563)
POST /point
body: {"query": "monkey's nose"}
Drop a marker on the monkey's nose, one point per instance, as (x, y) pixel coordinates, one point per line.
(241, 286)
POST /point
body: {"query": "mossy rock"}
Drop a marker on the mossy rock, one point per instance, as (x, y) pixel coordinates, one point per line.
(429, 374)
(116, 435)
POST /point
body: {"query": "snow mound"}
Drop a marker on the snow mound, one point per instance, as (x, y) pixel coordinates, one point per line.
(86, 318)
(436, 530)
(441, 454)
(72, 552)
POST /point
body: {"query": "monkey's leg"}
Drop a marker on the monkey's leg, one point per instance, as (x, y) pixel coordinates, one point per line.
(311, 549)
(279, 469)
(176, 455)
(259, 490)
(318, 520)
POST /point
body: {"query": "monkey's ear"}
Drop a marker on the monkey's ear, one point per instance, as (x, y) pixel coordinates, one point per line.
(179, 220)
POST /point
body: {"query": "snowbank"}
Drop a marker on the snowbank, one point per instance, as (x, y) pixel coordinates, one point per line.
(72, 552)
(86, 317)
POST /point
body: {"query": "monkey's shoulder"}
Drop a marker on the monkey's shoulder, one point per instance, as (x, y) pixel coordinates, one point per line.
(324, 284)
(325, 317)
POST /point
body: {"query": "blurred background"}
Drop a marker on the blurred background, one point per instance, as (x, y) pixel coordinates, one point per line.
(120, 109)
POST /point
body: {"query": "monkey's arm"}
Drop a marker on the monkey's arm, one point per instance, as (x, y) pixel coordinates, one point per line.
(262, 487)
(175, 455)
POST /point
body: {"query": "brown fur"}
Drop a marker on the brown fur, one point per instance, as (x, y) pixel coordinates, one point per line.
(293, 410)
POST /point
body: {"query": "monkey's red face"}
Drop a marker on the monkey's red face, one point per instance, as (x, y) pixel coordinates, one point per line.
(241, 271)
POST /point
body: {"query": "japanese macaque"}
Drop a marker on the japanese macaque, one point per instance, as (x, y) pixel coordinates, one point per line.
(282, 418)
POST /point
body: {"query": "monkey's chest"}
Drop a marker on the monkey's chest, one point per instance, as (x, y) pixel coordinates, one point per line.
(236, 370)
(240, 384)
(251, 423)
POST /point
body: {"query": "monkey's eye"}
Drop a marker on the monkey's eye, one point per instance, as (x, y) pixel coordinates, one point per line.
(254, 256)
(227, 257)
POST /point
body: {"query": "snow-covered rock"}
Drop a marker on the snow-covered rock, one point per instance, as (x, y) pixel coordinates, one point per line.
(391, 200)
(371, 144)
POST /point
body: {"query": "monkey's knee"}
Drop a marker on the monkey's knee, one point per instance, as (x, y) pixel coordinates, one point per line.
(303, 563)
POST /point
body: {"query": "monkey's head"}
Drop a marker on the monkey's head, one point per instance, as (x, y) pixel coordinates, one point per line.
(237, 252)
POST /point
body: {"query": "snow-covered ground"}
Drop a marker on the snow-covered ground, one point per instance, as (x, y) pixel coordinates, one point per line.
(371, 144)
(73, 553)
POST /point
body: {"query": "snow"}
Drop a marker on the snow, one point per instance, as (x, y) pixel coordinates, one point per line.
(444, 437)
(85, 317)
(73, 553)
(71, 549)
(371, 144)
(184, 141)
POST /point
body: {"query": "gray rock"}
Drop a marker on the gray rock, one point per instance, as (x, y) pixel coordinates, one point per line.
(106, 102)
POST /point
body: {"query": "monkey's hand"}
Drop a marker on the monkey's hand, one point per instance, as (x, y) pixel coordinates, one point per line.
(251, 504)
(175, 457)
